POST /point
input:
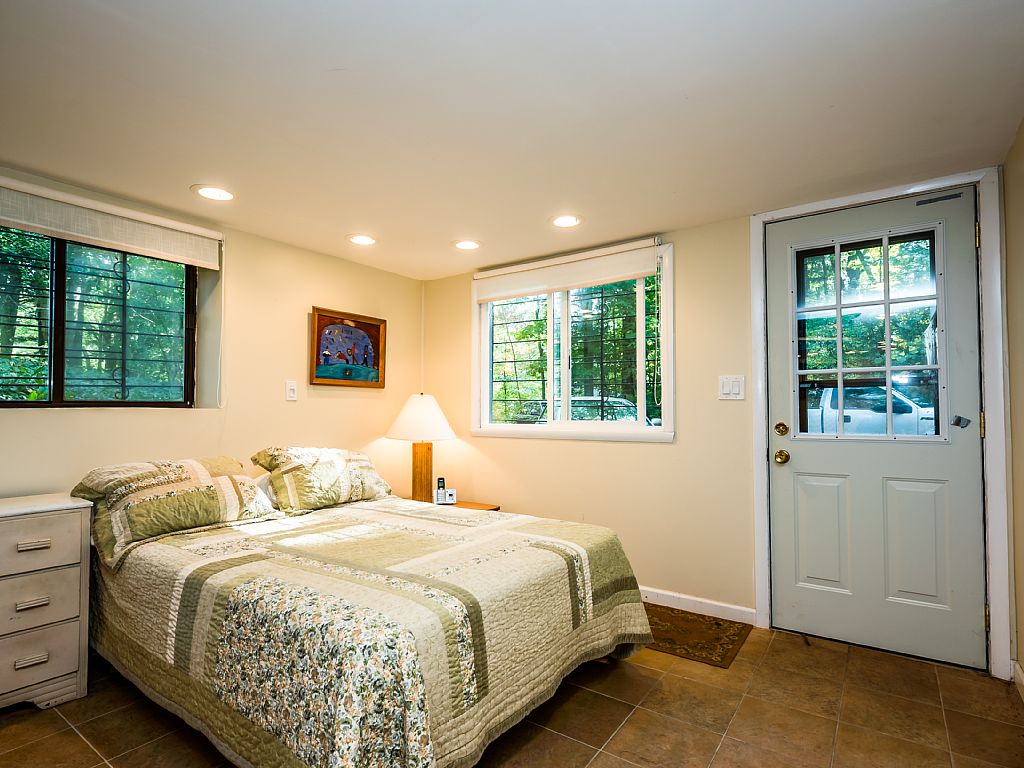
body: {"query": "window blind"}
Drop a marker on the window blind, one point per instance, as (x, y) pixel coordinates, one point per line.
(611, 264)
(81, 220)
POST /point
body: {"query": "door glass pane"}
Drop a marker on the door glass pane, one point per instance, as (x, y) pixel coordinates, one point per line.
(603, 369)
(816, 412)
(816, 277)
(816, 340)
(25, 276)
(864, 337)
(862, 271)
(915, 402)
(865, 404)
(914, 331)
(519, 360)
(912, 265)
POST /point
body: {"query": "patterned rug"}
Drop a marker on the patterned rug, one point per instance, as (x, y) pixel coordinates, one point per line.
(695, 636)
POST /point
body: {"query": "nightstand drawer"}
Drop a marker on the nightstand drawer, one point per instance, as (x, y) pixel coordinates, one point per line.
(39, 598)
(38, 655)
(33, 542)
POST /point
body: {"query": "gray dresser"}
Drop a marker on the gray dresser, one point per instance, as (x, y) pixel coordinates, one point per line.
(44, 599)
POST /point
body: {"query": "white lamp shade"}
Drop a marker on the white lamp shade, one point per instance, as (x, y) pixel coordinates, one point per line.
(421, 420)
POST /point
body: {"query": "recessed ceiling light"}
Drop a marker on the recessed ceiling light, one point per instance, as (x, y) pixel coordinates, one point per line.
(211, 193)
(361, 239)
(567, 220)
(467, 245)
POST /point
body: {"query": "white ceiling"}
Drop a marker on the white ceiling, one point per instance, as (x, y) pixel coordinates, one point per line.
(425, 122)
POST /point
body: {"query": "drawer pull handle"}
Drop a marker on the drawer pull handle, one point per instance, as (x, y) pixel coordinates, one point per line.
(31, 661)
(26, 605)
(29, 546)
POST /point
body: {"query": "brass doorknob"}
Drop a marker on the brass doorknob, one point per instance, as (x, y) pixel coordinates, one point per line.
(782, 457)
(781, 428)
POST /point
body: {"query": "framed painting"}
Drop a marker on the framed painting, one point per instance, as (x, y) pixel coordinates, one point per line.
(346, 349)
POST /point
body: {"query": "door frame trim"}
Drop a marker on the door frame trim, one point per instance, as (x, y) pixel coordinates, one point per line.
(995, 391)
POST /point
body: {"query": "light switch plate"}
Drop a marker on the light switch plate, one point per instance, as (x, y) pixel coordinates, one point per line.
(291, 391)
(732, 387)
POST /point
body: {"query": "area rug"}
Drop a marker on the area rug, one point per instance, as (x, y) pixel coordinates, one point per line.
(695, 636)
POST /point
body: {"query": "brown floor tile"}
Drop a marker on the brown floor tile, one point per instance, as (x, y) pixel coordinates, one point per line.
(99, 667)
(905, 719)
(785, 730)
(959, 761)
(656, 741)
(581, 714)
(23, 723)
(898, 675)
(809, 656)
(627, 682)
(736, 754)
(817, 695)
(977, 737)
(647, 657)
(604, 760)
(981, 695)
(530, 746)
(129, 727)
(105, 695)
(756, 645)
(182, 749)
(64, 749)
(697, 703)
(861, 748)
(735, 678)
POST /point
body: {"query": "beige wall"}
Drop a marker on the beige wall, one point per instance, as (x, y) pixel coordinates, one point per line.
(1013, 207)
(683, 510)
(269, 289)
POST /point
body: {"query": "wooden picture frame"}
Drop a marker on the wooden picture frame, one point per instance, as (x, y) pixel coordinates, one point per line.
(346, 349)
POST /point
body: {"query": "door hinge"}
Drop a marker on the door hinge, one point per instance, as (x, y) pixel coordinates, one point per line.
(977, 234)
(988, 618)
(981, 425)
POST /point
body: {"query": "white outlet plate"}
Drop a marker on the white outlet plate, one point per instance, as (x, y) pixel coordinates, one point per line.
(732, 387)
(291, 390)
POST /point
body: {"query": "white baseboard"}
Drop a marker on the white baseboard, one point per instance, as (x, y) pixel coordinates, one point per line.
(1018, 678)
(698, 605)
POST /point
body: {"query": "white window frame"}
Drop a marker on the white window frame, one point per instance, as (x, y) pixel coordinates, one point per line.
(565, 428)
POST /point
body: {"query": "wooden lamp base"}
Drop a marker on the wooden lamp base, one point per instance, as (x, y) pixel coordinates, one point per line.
(422, 471)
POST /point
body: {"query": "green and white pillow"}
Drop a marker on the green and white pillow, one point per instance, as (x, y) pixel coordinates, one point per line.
(142, 501)
(305, 479)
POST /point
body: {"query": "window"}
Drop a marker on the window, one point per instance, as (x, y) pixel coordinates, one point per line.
(84, 325)
(869, 350)
(583, 357)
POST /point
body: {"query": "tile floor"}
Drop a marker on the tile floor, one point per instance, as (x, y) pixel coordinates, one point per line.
(784, 703)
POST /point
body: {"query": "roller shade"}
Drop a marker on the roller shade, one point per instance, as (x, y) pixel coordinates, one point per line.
(626, 261)
(67, 216)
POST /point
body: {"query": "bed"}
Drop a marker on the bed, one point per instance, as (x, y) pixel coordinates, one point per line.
(376, 633)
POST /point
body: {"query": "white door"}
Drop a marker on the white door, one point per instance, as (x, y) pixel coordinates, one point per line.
(877, 522)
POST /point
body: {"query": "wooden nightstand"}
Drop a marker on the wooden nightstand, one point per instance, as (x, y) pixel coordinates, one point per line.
(44, 599)
(477, 505)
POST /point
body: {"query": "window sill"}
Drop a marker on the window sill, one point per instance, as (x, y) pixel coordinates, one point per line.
(604, 432)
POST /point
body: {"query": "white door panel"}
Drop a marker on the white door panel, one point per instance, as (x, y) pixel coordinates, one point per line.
(877, 525)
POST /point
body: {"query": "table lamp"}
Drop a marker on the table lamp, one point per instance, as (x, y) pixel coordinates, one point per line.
(422, 422)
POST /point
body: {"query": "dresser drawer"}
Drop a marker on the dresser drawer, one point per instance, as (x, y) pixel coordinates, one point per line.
(39, 598)
(38, 655)
(33, 542)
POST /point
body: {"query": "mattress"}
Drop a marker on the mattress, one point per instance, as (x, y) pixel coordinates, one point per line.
(382, 633)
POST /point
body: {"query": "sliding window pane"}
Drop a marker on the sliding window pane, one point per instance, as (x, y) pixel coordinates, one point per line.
(25, 287)
(519, 377)
(603, 367)
(652, 335)
(124, 327)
